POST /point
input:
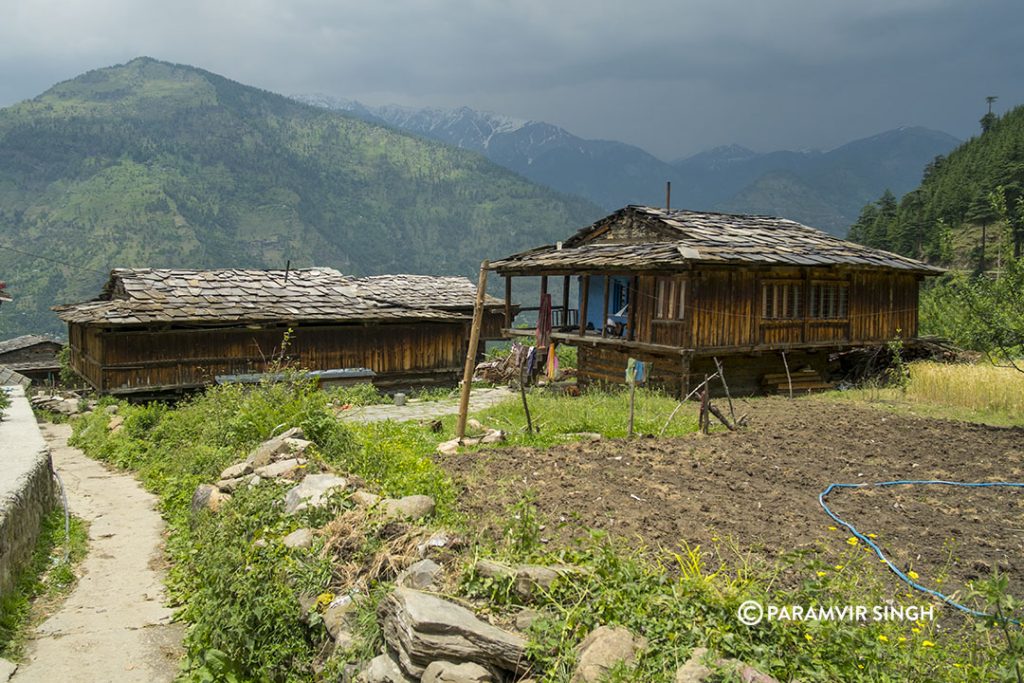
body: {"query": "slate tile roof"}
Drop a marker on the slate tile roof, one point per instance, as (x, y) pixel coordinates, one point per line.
(687, 237)
(146, 295)
(25, 341)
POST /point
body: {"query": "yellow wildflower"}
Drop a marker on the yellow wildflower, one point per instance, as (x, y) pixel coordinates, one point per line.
(820, 574)
(833, 528)
(838, 567)
(883, 638)
(927, 643)
(914, 575)
(902, 639)
(872, 535)
(808, 637)
(852, 540)
(915, 630)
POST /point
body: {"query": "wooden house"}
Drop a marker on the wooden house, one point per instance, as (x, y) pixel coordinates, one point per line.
(33, 356)
(152, 331)
(682, 289)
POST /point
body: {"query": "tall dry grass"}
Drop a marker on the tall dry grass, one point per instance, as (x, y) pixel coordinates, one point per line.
(983, 387)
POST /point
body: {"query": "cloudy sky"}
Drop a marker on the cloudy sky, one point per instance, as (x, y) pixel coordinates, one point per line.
(673, 76)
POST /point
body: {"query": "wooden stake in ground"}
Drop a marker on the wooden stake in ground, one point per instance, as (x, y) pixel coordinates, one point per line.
(474, 341)
(789, 378)
(704, 421)
(631, 381)
(680, 404)
(721, 375)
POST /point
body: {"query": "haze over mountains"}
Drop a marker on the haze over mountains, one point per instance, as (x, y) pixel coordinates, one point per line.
(823, 189)
(163, 165)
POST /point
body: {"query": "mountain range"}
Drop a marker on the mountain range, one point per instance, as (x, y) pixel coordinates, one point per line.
(823, 189)
(164, 165)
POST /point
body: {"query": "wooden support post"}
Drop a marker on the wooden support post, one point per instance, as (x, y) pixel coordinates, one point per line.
(474, 340)
(604, 315)
(565, 301)
(522, 392)
(704, 422)
(633, 300)
(508, 302)
(543, 285)
(584, 295)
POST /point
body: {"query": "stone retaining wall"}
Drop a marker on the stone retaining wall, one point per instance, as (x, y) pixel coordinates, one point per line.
(27, 490)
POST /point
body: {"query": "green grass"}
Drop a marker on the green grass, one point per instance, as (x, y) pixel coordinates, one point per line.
(689, 598)
(41, 585)
(559, 418)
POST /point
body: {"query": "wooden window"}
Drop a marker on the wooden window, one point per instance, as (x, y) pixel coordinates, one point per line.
(828, 300)
(669, 299)
(781, 300)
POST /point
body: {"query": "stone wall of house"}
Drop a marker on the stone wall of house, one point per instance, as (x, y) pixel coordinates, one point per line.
(26, 486)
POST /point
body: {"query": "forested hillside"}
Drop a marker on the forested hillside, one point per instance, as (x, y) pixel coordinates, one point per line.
(163, 165)
(979, 186)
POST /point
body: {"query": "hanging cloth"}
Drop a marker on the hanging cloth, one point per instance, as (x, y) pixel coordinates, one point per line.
(531, 360)
(552, 363)
(631, 371)
(544, 321)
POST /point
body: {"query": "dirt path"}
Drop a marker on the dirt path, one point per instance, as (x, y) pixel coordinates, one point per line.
(426, 410)
(113, 626)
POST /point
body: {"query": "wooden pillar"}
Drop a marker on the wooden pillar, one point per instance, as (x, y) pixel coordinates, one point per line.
(604, 315)
(633, 299)
(584, 295)
(508, 302)
(565, 301)
(543, 285)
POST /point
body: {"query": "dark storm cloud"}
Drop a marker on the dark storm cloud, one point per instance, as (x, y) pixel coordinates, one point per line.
(673, 77)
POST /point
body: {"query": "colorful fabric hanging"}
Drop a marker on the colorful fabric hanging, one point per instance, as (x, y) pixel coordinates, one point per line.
(552, 363)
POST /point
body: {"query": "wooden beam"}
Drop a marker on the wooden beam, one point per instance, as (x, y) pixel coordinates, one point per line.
(604, 315)
(508, 301)
(543, 285)
(584, 295)
(565, 301)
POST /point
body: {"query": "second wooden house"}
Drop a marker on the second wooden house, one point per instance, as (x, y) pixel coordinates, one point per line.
(685, 290)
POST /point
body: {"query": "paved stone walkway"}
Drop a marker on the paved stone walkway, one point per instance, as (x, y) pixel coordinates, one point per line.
(114, 625)
(426, 410)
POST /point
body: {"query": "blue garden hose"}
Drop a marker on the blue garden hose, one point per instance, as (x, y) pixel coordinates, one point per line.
(878, 551)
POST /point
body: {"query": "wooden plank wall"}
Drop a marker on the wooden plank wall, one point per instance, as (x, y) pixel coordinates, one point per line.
(744, 372)
(881, 304)
(187, 358)
(600, 365)
(724, 310)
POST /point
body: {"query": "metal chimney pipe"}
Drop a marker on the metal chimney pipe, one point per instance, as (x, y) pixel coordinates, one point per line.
(668, 195)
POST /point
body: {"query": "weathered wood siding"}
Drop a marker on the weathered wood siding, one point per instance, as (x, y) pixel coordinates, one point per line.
(882, 304)
(123, 361)
(724, 310)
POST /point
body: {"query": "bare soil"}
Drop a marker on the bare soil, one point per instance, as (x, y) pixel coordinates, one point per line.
(758, 487)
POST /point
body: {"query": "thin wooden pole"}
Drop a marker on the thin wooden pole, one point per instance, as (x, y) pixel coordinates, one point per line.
(632, 404)
(543, 285)
(705, 422)
(604, 316)
(584, 295)
(474, 340)
(789, 379)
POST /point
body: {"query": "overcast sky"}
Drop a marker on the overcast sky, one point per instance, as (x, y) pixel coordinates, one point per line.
(674, 77)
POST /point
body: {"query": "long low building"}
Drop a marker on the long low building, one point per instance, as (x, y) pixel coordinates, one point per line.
(152, 331)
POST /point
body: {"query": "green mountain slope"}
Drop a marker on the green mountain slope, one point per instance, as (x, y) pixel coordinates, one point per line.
(163, 165)
(941, 220)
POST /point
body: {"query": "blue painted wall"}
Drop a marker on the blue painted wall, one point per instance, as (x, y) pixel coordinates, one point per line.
(617, 296)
